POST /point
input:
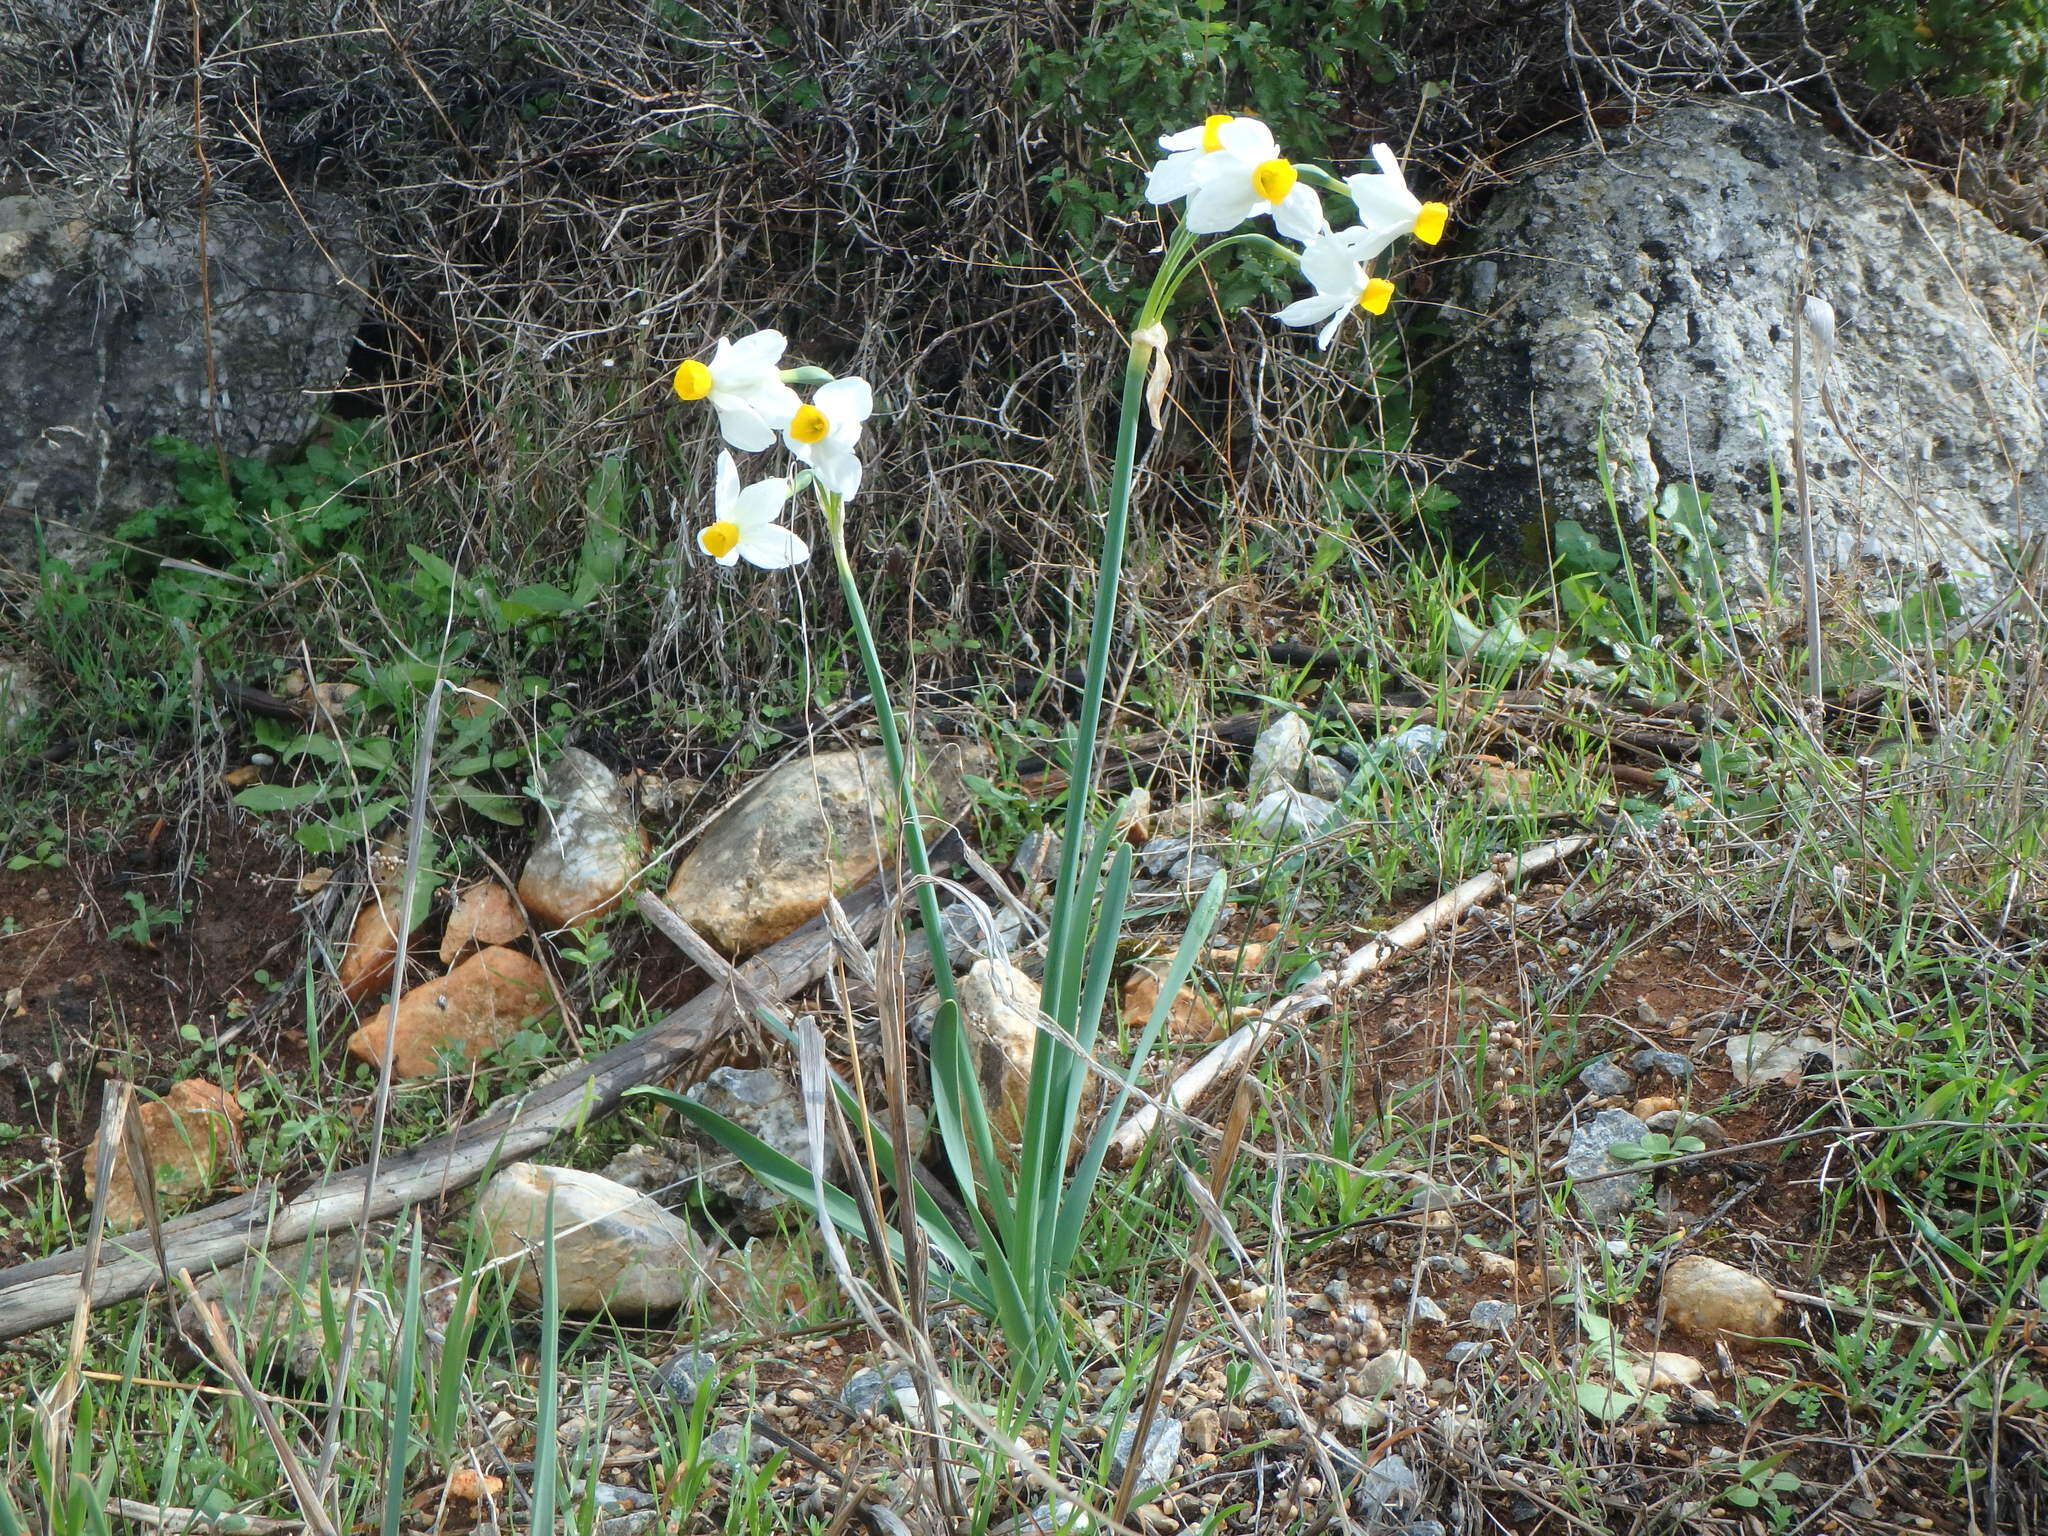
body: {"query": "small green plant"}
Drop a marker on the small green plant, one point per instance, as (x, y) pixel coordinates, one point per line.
(149, 920)
(1760, 1485)
(1655, 1147)
(47, 852)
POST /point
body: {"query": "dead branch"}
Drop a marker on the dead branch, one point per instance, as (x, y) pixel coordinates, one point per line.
(47, 1291)
(1323, 990)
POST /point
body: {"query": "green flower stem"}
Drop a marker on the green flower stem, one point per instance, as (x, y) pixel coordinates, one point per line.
(973, 1115)
(1062, 979)
(892, 748)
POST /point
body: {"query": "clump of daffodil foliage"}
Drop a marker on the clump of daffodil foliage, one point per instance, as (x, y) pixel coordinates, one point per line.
(1027, 1219)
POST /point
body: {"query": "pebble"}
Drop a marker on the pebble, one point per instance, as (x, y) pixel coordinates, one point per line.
(1602, 1078)
(868, 1391)
(1423, 1310)
(1389, 1487)
(1493, 1314)
(1385, 1374)
(590, 846)
(724, 1444)
(1469, 1350)
(1495, 1266)
(1291, 814)
(1357, 1415)
(1204, 1431)
(1162, 1453)
(765, 1105)
(1674, 1066)
(1325, 776)
(682, 1374)
(1412, 751)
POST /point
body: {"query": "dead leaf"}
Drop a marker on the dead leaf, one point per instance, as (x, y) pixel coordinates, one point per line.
(1193, 1019)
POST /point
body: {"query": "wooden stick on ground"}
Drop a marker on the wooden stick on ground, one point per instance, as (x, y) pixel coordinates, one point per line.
(1237, 1050)
(49, 1290)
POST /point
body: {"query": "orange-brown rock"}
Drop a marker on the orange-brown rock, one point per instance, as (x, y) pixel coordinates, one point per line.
(187, 1137)
(484, 915)
(1193, 1018)
(372, 948)
(472, 1010)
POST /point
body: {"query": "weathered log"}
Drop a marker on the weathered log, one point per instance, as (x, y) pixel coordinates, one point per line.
(38, 1294)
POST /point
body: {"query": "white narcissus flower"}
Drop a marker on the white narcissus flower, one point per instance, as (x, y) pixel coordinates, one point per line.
(1244, 177)
(1387, 210)
(823, 433)
(743, 383)
(746, 528)
(1187, 151)
(1341, 286)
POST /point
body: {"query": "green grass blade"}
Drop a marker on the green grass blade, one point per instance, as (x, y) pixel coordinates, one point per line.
(546, 1468)
(1080, 1191)
(964, 1278)
(401, 1384)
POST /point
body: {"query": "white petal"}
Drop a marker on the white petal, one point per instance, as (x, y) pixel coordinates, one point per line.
(1328, 333)
(847, 401)
(1383, 157)
(1299, 215)
(1362, 242)
(772, 547)
(726, 489)
(743, 427)
(838, 470)
(1248, 139)
(1382, 200)
(763, 349)
(1174, 177)
(1221, 204)
(1187, 138)
(1331, 268)
(759, 503)
(1312, 311)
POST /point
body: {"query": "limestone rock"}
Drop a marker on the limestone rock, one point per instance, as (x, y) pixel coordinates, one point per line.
(767, 1106)
(999, 1007)
(1639, 293)
(187, 1138)
(111, 315)
(21, 695)
(483, 915)
(814, 827)
(590, 848)
(1278, 757)
(1781, 1056)
(472, 1010)
(1588, 1155)
(1162, 1452)
(1710, 1300)
(1291, 815)
(614, 1250)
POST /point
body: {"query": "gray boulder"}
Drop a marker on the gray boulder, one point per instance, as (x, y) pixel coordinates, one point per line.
(107, 328)
(1649, 290)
